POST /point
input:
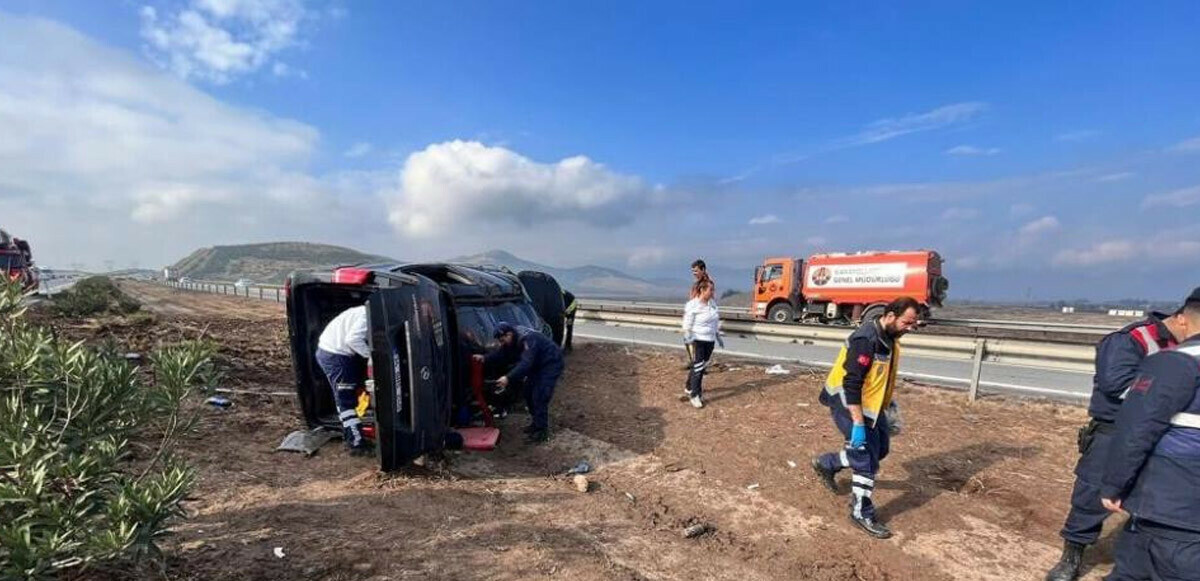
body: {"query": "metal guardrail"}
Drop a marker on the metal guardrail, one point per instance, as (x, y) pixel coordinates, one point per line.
(978, 350)
(1032, 354)
(1046, 330)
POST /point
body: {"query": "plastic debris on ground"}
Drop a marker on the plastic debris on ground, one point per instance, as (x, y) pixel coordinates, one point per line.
(696, 530)
(307, 442)
(279, 552)
(581, 483)
(581, 468)
(777, 370)
(791, 464)
(752, 486)
(218, 401)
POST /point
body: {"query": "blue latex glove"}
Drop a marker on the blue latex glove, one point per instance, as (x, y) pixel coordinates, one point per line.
(720, 342)
(858, 436)
(687, 337)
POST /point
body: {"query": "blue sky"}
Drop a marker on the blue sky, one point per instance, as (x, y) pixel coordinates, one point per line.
(1052, 148)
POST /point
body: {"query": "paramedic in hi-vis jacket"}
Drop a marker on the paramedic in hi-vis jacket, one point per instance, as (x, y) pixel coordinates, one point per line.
(858, 391)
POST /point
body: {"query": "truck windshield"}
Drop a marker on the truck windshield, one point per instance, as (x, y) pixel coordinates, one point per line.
(773, 272)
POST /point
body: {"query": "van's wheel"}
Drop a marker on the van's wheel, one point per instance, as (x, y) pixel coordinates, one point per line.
(781, 313)
(871, 313)
(546, 296)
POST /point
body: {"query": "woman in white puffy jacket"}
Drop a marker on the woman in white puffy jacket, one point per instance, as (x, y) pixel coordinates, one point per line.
(701, 323)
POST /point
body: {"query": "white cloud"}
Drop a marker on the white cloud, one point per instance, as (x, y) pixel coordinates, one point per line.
(960, 214)
(837, 219)
(1040, 226)
(1021, 209)
(1115, 177)
(458, 181)
(763, 220)
(971, 151)
(890, 128)
(648, 256)
(1181, 198)
(1082, 135)
(359, 149)
(104, 156)
(219, 40)
(1187, 146)
(817, 241)
(967, 262)
(1100, 253)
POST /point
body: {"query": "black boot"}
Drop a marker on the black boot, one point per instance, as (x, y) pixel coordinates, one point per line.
(827, 476)
(1067, 568)
(538, 436)
(873, 527)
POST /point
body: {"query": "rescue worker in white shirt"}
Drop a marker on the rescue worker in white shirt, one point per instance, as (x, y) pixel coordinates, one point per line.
(701, 328)
(342, 353)
(857, 391)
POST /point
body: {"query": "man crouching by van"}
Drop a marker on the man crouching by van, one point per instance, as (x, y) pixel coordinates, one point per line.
(342, 353)
(538, 366)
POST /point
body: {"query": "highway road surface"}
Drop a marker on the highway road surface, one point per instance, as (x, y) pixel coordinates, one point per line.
(995, 378)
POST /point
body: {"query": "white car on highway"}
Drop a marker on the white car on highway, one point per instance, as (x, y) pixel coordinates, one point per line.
(243, 283)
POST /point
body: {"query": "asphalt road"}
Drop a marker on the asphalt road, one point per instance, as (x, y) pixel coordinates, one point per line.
(955, 374)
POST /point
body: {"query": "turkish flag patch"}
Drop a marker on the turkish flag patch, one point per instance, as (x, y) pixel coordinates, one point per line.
(864, 360)
(1142, 384)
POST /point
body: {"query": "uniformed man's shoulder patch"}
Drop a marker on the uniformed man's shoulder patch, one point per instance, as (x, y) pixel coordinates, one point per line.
(1142, 384)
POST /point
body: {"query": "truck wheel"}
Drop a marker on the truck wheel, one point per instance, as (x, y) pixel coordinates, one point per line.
(546, 297)
(873, 312)
(781, 313)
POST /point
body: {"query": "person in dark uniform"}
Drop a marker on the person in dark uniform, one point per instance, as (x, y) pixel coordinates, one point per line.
(1117, 358)
(570, 305)
(857, 392)
(538, 365)
(1153, 465)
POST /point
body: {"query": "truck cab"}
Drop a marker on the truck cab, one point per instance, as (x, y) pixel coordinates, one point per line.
(16, 262)
(426, 320)
(777, 289)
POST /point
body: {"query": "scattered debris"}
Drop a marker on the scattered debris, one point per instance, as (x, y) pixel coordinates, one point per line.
(777, 369)
(791, 464)
(803, 404)
(218, 401)
(752, 486)
(133, 356)
(629, 495)
(581, 468)
(696, 530)
(307, 442)
(581, 483)
(279, 552)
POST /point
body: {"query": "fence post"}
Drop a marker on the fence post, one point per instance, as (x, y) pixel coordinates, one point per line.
(976, 369)
(277, 299)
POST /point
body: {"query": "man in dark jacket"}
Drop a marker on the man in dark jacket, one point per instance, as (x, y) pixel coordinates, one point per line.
(1153, 467)
(538, 365)
(1118, 356)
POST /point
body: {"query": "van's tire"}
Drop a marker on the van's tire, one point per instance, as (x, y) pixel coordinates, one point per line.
(546, 296)
(781, 313)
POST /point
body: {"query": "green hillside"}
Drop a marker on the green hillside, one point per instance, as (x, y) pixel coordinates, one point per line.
(267, 263)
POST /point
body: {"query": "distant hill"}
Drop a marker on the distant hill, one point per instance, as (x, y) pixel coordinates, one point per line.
(582, 280)
(267, 263)
(270, 263)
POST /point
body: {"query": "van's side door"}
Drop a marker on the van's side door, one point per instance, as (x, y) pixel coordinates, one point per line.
(410, 352)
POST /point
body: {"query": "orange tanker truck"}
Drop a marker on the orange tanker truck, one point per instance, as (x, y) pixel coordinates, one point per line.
(845, 288)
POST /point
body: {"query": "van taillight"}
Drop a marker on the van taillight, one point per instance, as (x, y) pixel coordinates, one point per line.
(351, 276)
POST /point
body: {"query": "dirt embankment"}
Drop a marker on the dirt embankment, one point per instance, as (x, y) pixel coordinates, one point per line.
(974, 493)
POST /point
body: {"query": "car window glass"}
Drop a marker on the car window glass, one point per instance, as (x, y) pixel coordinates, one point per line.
(774, 272)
